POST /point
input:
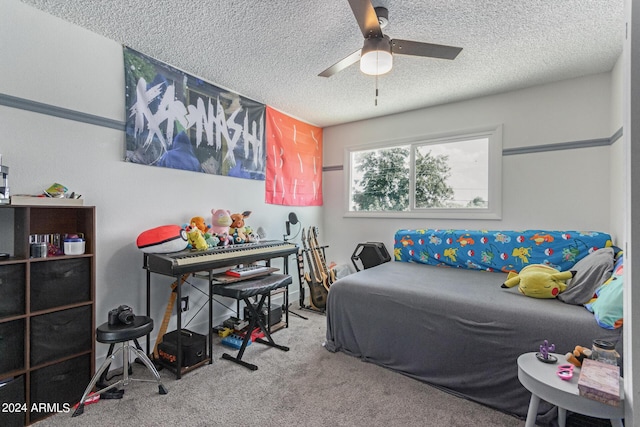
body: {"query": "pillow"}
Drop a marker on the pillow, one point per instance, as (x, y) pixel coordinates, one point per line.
(162, 240)
(591, 272)
(607, 306)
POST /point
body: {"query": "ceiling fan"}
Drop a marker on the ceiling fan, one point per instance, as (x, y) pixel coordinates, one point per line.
(376, 55)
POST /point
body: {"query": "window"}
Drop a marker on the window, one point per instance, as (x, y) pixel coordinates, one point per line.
(445, 176)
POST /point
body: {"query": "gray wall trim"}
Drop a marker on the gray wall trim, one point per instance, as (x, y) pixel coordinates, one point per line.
(616, 136)
(65, 113)
(571, 145)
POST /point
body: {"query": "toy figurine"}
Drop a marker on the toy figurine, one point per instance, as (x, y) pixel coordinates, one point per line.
(196, 238)
(578, 355)
(544, 355)
(220, 222)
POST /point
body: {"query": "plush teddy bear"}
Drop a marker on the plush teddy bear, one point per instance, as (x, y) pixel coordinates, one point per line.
(578, 355)
(539, 281)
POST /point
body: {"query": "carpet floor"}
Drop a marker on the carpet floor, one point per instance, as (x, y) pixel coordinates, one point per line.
(306, 386)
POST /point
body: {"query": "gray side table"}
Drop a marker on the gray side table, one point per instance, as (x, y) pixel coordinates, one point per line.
(543, 383)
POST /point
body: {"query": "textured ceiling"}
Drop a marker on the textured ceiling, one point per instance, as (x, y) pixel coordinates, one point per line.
(272, 51)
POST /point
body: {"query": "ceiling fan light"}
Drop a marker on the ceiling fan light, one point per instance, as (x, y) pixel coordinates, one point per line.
(376, 58)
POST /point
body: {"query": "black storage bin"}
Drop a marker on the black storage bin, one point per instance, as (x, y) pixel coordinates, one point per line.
(369, 254)
(12, 284)
(275, 314)
(194, 348)
(12, 393)
(58, 384)
(11, 346)
(59, 334)
(61, 282)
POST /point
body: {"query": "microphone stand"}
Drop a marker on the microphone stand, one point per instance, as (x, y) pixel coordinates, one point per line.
(284, 237)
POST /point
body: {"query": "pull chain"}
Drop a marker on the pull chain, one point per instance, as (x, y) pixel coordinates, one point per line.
(376, 98)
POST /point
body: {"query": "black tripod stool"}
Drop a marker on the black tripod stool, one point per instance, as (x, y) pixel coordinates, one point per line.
(121, 334)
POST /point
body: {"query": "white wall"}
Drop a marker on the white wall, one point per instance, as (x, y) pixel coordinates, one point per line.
(540, 190)
(49, 60)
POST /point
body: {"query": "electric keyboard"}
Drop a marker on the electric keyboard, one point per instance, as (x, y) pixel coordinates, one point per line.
(190, 261)
(249, 270)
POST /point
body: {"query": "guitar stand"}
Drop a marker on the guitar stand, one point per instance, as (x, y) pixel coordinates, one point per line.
(312, 309)
(244, 290)
(301, 281)
(294, 313)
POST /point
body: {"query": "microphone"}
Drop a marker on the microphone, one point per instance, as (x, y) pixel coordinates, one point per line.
(293, 219)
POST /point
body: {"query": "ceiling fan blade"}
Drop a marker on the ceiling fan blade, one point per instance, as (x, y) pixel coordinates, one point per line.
(366, 16)
(342, 64)
(408, 47)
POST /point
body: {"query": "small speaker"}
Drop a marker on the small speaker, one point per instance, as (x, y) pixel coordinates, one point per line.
(369, 254)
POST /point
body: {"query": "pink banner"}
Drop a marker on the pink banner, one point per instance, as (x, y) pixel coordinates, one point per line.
(294, 161)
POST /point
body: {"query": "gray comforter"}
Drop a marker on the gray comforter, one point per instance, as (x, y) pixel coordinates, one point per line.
(453, 328)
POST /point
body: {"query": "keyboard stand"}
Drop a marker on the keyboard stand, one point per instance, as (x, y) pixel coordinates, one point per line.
(244, 290)
(165, 264)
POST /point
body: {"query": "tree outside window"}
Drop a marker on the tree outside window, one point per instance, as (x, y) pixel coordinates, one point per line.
(447, 175)
(384, 182)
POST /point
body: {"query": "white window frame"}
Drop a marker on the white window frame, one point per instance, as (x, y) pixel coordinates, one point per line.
(494, 206)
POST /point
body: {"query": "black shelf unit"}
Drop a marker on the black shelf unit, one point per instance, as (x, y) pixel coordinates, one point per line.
(46, 313)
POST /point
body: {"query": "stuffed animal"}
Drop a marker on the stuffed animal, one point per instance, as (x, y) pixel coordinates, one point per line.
(163, 239)
(196, 238)
(220, 222)
(578, 355)
(211, 239)
(199, 221)
(539, 281)
(252, 236)
(237, 228)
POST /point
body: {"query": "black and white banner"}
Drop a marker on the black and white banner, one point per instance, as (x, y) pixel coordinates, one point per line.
(178, 121)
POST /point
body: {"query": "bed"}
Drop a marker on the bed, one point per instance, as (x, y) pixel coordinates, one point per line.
(456, 328)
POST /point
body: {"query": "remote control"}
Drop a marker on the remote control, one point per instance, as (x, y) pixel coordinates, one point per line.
(246, 271)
